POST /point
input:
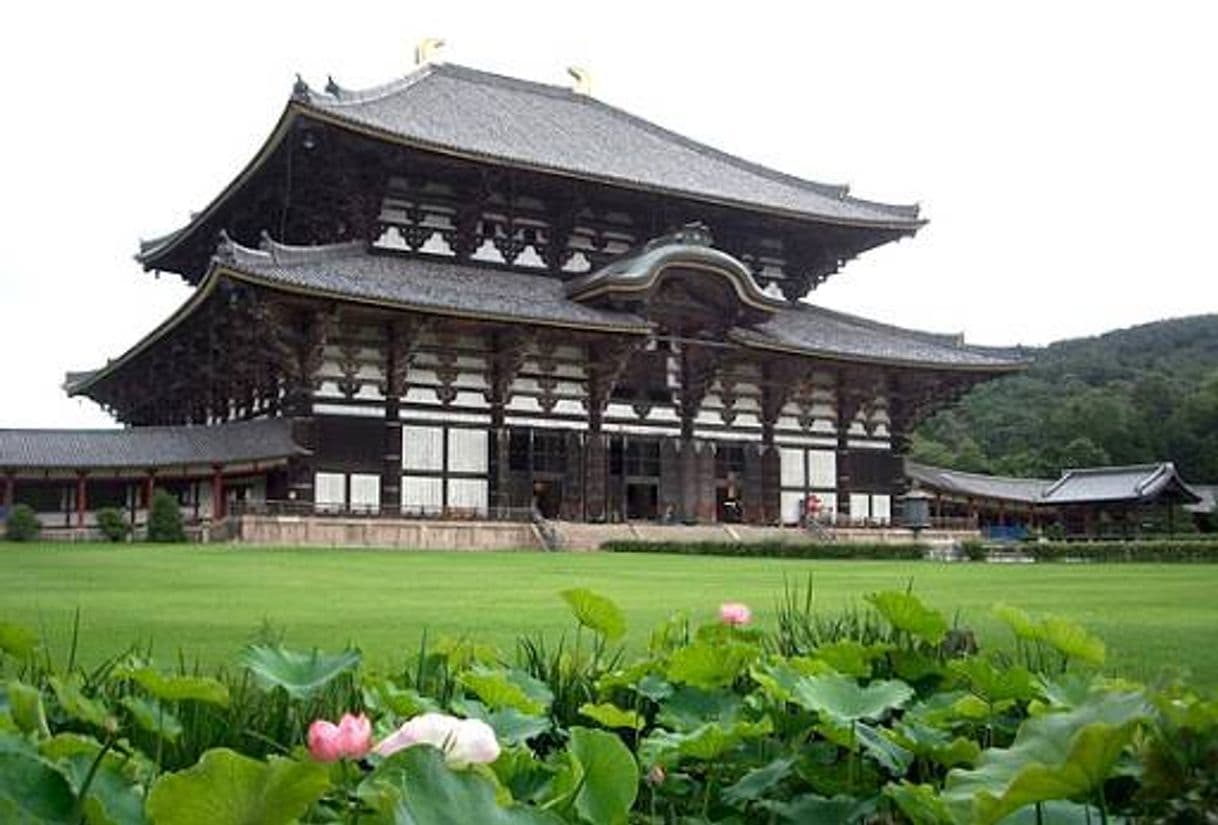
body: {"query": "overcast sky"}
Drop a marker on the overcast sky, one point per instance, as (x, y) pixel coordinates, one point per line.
(1064, 152)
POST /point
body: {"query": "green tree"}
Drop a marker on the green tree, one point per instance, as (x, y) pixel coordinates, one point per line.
(165, 519)
(22, 524)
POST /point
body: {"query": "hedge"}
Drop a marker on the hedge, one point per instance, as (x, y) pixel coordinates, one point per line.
(773, 549)
(1174, 550)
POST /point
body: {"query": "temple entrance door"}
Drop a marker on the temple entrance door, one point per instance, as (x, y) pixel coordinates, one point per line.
(547, 498)
(642, 500)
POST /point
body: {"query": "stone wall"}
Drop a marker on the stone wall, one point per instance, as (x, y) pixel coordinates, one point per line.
(415, 535)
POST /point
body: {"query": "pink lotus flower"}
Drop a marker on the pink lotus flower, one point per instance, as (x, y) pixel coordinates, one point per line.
(655, 776)
(463, 741)
(351, 738)
(735, 613)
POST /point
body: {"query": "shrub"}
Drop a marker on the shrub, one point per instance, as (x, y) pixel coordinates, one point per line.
(773, 549)
(112, 524)
(1177, 550)
(165, 519)
(973, 550)
(22, 524)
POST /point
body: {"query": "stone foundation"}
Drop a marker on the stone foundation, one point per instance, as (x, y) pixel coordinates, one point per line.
(331, 531)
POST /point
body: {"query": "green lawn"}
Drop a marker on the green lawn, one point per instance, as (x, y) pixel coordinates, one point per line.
(207, 601)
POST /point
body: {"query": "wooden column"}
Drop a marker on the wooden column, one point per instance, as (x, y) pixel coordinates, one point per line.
(82, 502)
(596, 471)
(401, 338)
(217, 494)
(500, 466)
(149, 487)
(10, 484)
(752, 500)
(688, 511)
(573, 479)
(706, 510)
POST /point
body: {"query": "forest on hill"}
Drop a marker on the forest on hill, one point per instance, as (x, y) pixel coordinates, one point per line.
(1147, 393)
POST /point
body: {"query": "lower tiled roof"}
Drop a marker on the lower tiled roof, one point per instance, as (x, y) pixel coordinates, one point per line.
(1090, 485)
(147, 447)
(1003, 488)
(814, 330)
(429, 284)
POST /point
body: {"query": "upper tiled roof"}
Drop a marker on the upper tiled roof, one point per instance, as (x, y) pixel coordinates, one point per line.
(147, 447)
(813, 330)
(552, 128)
(1004, 488)
(1143, 482)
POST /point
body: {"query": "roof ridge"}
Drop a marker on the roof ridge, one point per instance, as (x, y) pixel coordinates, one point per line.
(1118, 468)
(342, 96)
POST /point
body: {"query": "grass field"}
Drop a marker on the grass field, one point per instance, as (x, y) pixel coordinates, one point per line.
(208, 601)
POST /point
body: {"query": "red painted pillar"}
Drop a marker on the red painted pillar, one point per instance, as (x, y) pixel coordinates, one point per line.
(217, 494)
(81, 503)
(149, 481)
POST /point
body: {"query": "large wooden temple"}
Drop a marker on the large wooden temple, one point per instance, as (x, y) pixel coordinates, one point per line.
(466, 295)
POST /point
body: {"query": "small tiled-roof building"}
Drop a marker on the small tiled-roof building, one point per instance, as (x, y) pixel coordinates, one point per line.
(1082, 501)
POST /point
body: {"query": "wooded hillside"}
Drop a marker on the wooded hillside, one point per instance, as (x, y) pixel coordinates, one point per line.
(1147, 393)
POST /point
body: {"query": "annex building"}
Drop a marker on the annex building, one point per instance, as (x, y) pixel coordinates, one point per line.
(468, 296)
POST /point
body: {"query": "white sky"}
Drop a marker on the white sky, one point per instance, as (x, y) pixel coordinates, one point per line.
(1063, 151)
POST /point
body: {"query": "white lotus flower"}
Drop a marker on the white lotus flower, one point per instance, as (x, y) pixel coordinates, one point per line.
(463, 741)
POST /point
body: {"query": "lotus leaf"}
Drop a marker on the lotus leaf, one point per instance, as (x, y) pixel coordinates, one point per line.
(226, 788)
(843, 701)
(611, 716)
(1063, 755)
(596, 612)
(905, 611)
(301, 674)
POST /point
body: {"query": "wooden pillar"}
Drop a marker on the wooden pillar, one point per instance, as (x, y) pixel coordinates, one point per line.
(217, 493)
(706, 509)
(149, 486)
(573, 479)
(596, 471)
(82, 502)
(842, 488)
(771, 485)
(751, 485)
(500, 467)
(10, 484)
(669, 498)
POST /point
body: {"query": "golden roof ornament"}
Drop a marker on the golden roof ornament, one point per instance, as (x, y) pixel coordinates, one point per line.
(425, 50)
(583, 80)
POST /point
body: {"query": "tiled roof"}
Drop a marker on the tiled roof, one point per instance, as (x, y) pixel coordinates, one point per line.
(147, 447)
(413, 282)
(814, 330)
(1209, 499)
(1092, 485)
(441, 286)
(552, 128)
(1143, 482)
(1004, 488)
